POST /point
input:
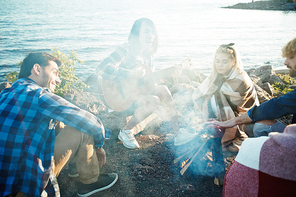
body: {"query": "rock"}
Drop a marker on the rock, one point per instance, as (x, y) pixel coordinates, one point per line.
(268, 88)
(275, 79)
(281, 70)
(263, 72)
(263, 75)
(183, 79)
(199, 75)
(255, 79)
(193, 75)
(266, 5)
(262, 94)
(292, 86)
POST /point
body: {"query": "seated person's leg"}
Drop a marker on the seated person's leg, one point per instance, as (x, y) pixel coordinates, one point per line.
(168, 103)
(71, 143)
(166, 99)
(145, 106)
(278, 127)
(248, 129)
(263, 128)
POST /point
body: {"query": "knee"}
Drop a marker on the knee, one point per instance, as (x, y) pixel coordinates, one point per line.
(76, 136)
(261, 129)
(163, 91)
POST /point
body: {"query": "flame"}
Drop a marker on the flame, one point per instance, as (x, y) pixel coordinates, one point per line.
(184, 162)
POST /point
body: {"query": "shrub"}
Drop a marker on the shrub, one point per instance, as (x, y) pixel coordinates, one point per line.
(66, 73)
(285, 87)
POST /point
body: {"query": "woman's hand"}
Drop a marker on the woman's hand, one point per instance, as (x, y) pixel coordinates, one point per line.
(101, 155)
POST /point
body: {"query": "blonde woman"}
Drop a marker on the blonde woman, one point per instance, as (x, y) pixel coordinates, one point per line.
(226, 93)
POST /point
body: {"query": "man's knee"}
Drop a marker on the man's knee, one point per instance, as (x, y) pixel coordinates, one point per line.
(72, 138)
(260, 129)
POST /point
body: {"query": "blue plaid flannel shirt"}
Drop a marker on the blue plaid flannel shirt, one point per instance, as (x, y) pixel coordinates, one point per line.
(275, 108)
(27, 136)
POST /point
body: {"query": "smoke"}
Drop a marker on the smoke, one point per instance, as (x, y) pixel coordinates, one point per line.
(203, 152)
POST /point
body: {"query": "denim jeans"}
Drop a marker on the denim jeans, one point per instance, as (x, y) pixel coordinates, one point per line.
(72, 144)
(260, 129)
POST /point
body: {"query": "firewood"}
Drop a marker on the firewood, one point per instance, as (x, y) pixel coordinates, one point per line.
(188, 154)
(191, 160)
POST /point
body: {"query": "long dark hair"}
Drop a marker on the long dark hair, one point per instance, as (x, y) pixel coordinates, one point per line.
(135, 32)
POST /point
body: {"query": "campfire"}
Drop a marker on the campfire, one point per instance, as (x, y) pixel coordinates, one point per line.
(198, 147)
(184, 163)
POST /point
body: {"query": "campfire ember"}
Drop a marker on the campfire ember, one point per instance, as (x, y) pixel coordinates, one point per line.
(193, 151)
(193, 157)
(184, 162)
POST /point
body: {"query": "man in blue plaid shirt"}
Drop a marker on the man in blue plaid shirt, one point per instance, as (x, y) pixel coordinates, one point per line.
(31, 155)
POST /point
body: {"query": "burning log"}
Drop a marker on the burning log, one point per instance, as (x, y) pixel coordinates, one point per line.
(188, 164)
(187, 154)
(211, 141)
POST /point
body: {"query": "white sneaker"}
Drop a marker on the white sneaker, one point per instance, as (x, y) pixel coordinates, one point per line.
(128, 139)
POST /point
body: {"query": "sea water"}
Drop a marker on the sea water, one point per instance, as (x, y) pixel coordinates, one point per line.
(186, 28)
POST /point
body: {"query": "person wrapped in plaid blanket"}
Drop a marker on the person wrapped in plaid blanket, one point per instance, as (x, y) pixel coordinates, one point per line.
(268, 171)
(226, 93)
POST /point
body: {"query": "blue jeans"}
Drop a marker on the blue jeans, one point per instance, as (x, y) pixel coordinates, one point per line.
(260, 129)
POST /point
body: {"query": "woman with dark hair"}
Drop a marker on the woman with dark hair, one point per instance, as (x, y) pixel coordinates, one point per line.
(125, 65)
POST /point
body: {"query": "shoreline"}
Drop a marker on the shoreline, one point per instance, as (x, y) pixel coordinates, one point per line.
(265, 5)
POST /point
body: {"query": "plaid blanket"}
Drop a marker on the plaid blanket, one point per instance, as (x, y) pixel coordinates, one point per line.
(226, 97)
(264, 166)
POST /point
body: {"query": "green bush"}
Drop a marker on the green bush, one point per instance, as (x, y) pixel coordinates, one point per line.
(283, 88)
(66, 73)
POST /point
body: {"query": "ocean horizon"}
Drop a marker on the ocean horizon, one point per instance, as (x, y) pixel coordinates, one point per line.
(187, 29)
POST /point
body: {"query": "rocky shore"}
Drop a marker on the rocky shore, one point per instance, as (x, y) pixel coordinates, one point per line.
(149, 171)
(265, 5)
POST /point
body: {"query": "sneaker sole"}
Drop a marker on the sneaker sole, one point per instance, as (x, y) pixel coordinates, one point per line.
(130, 147)
(101, 189)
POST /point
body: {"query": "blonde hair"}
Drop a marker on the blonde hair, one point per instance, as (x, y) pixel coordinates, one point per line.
(231, 50)
(289, 49)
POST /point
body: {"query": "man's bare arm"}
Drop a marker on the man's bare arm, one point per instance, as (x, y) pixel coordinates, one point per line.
(243, 119)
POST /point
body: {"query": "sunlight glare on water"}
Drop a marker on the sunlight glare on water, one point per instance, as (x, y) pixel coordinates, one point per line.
(187, 29)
